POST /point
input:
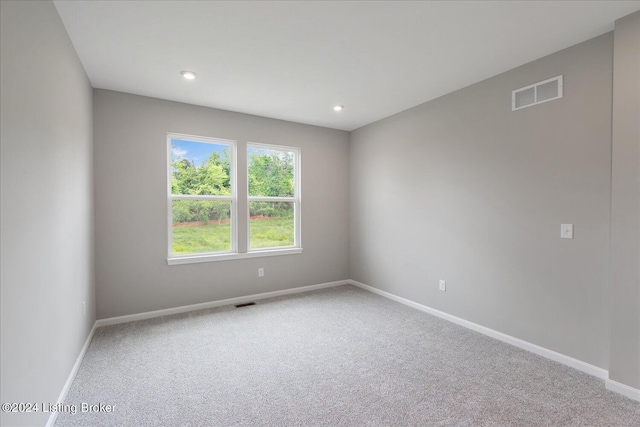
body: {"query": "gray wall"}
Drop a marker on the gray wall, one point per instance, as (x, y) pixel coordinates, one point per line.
(46, 206)
(463, 189)
(132, 274)
(625, 205)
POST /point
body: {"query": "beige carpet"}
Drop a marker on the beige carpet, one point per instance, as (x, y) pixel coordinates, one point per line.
(336, 357)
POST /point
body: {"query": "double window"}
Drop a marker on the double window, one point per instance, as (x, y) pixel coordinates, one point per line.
(204, 217)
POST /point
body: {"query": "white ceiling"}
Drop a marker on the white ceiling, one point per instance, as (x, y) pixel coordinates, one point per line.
(296, 60)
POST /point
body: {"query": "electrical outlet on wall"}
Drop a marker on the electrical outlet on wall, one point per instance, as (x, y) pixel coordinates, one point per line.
(443, 285)
(261, 272)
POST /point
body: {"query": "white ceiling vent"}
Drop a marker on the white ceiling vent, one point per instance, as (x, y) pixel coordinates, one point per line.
(537, 93)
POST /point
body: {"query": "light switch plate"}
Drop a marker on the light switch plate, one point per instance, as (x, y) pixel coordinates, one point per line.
(566, 231)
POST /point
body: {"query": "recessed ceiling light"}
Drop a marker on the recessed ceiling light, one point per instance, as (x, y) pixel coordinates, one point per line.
(338, 107)
(189, 75)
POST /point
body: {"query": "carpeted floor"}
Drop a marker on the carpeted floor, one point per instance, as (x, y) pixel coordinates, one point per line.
(335, 357)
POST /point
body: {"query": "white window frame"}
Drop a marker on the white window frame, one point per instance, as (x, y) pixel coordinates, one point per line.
(233, 198)
(296, 199)
(237, 251)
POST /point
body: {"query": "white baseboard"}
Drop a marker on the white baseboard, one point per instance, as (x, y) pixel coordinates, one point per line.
(212, 304)
(533, 348)
(72, 375)
(623, 389)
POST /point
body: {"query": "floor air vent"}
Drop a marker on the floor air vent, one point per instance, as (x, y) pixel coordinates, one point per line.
(537, 93)
(246, 304)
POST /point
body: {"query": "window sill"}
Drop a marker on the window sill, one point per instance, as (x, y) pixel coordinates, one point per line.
(232, 256)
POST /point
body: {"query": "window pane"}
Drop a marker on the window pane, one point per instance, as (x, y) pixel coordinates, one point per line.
(201, 226)
(200, 168)
(270, 172)
(271, 224)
